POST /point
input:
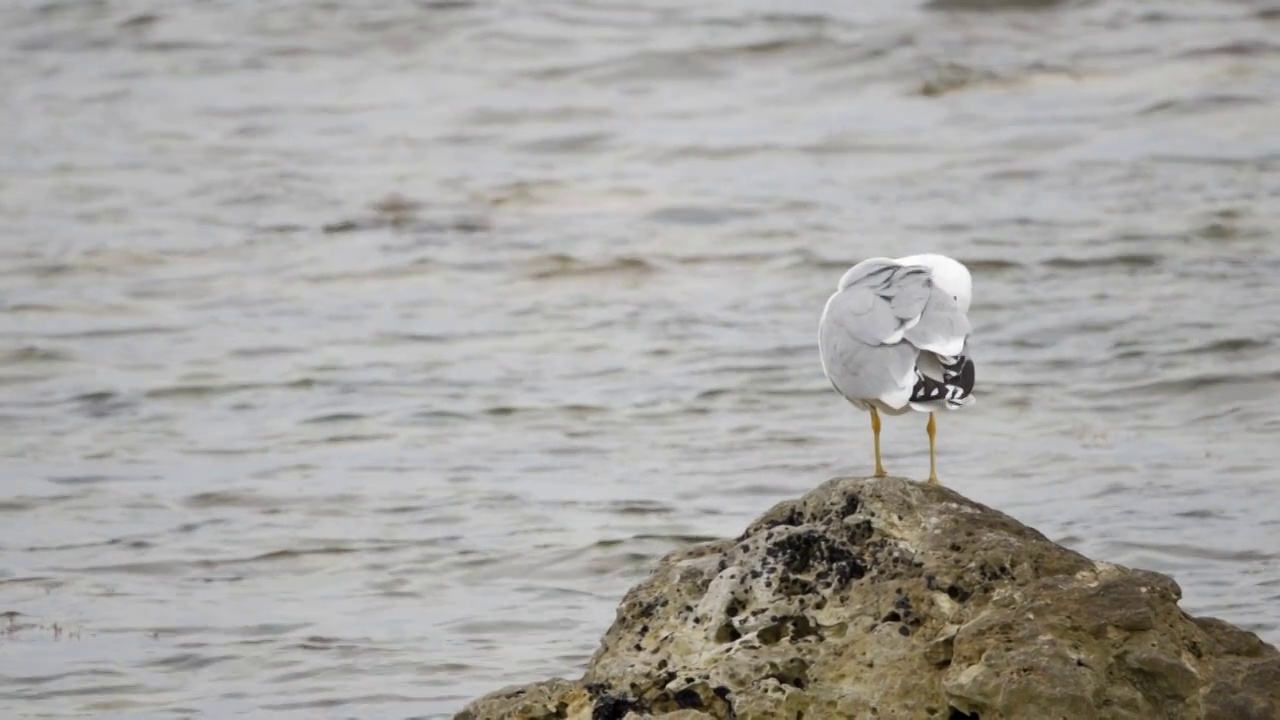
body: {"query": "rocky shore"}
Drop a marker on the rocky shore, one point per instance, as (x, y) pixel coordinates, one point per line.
(888, 598)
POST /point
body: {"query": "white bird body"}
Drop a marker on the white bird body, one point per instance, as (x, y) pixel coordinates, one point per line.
(893, 338)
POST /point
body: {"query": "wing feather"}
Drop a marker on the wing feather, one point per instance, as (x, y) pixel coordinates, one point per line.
(882, 316)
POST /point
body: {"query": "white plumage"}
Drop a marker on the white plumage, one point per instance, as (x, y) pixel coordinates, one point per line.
(893, 339)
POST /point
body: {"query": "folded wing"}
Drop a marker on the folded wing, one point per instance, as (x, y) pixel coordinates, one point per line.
(880, 319)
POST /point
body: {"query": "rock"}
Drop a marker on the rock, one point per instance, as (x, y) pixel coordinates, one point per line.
(889, 598)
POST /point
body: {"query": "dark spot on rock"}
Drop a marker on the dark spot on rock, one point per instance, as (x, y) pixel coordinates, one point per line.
(930, 582)
(792, 586)
(793, 518)
(957, 593)
(732, 610)
(688, 698)
(955, 547)
(612, 707)
(644, 629)
(904, 631)
(810, 550)
(893, 616)
(794, 672)
(903, 603)
(955, 714)
(802, 628)
(771, 634)
(991, 573)
(650, 608)
(851, 505)
(860, 532)
(727, 633)
(721, 692)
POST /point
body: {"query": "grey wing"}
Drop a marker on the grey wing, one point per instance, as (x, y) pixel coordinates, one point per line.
(880, 304)
(861, 371)
(860, 337)
(927, 316)
(885, 297)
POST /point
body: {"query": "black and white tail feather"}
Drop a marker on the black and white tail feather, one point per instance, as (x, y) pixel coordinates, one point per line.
(954, 388)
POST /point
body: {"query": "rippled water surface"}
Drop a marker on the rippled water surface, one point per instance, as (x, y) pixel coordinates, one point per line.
(355, 359)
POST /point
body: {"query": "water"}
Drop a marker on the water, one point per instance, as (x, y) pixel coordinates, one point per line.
(355, 361)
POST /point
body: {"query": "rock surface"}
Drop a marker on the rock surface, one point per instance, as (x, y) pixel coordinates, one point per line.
(887, 598)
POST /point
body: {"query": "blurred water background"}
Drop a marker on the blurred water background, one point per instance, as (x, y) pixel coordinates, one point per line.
(355, 358)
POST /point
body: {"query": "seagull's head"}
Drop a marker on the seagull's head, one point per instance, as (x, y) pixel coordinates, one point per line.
(949, 275)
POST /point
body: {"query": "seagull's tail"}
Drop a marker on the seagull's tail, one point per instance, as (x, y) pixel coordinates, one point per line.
(953, 391)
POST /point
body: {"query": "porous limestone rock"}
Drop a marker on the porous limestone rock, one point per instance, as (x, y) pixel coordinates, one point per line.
(888, 598)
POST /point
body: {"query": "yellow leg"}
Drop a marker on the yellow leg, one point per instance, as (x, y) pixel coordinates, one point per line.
(875, 430)
(932, 429)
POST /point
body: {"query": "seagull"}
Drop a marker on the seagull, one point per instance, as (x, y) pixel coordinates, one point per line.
(893, 339)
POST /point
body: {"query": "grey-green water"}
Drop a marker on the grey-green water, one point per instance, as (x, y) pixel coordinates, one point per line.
(356, 358)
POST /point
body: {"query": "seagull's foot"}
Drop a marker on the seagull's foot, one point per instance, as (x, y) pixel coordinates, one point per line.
(933, 479)
(881, 473)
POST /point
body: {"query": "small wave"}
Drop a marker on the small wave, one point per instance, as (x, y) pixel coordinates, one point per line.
(186, 662)
(697, 216)
(334, 702)
(231, 499)
(991, 265)
(203, 391)
(351, 438)
(571, 143)
(32, 354)
(276, 555)
(1238, 48)
(120, 332)
(1184, 386)
(1203, 103)
(36, 680)
(334, 418)
(398, 271)
(994, 5)
(950, 77)
(154, 568)
(515, 116)
(1133, 260)
(694, 64)
(638, 507)
(731, 258)
(554, 266)
(76, 480)
(1225, 229)
(1197, 552)
(408, 223)
(265, 351)
(1228, 345)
